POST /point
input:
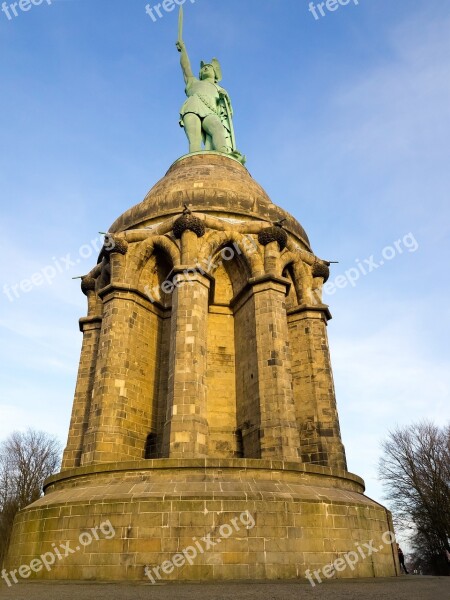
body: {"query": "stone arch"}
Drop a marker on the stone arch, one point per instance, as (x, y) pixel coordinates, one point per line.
(247, 253)
(286, 264)
(296, 271)
(292, 295)
(304, 278)
(286, 258)
(299, 273)
(104, 277)
(231, 400)
(224, 290)
(155, 278)
(221, 365)
(140, 253)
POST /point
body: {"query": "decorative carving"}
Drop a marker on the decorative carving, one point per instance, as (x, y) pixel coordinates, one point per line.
(188, 222)
(276, 233)
(87, 284)
(115, 245)
(321, 269)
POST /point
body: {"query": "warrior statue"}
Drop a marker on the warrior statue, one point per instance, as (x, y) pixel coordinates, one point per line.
(207, 113)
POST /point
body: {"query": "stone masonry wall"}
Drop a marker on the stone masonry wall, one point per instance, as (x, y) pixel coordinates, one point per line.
(314, 393)
(221, 384)
(82, 402)
(121, 414)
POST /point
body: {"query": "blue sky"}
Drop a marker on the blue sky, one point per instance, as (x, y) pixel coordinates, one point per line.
(345, 122)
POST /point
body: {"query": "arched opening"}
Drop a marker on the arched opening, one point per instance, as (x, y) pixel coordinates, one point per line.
(155, 280)
(104, 278)
(291, 298)
(221, 368)
(232, 374)
(155, 283)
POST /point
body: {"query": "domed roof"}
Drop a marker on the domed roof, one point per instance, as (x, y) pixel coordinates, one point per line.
(208, 182)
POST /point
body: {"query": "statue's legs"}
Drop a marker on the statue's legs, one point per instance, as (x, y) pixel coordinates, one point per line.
(208, 142)
(213, 127)
(193, 128)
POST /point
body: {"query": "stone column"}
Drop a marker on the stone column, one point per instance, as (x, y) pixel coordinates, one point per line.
(123, 397)
(278, 432)
(90, 327)
(186, 428)
(314, 392)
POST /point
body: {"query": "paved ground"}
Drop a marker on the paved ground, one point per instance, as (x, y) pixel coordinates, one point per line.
(402, 588)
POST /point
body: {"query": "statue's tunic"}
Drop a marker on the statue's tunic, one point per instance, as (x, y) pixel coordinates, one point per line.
(203, 99)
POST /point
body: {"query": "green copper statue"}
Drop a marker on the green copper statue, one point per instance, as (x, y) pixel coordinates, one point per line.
(207, 115)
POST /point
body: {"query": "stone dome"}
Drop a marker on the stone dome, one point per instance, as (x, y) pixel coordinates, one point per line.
(211, 183)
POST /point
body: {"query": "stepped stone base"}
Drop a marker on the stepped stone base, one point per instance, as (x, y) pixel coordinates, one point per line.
(274, 520)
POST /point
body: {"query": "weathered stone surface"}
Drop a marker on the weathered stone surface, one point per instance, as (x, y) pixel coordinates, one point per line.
(300, 515)
(273, 234)
(320, 269)
(188, 222)
(207, 182)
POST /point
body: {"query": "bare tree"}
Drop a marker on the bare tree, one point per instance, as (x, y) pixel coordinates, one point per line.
(26, 460)
(415, 470)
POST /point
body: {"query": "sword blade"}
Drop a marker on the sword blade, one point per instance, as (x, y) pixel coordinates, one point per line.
(180, 24)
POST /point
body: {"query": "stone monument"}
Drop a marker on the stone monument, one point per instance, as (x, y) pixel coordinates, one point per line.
(204, 426)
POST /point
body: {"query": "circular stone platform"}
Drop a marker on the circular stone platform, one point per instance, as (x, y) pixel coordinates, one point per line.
(247, 519)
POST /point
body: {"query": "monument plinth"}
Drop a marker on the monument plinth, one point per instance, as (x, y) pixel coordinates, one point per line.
(205, 391)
